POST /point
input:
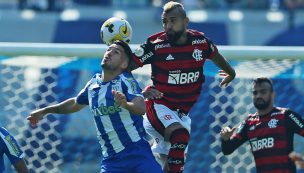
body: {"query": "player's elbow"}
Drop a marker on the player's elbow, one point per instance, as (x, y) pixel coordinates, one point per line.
(226, 152)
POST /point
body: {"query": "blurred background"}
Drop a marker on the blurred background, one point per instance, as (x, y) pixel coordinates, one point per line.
(227, 22)
(69, 144)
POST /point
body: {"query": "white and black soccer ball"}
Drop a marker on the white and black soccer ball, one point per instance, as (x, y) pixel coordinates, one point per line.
(116, 29)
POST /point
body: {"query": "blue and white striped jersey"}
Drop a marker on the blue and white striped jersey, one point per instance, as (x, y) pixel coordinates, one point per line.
(116, 127)
(9, 147)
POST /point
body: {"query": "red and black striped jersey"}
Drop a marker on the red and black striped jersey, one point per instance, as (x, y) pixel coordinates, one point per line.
(270, 137)
(177, 70)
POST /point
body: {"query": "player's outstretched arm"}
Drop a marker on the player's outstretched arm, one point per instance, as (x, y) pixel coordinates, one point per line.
(135, 106)
(66, 107)
(20, 167)
(227, 72)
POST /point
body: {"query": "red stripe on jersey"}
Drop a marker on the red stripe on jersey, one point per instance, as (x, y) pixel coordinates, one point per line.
(180, 88)
(177, 64)
(280, 144)
(271, 160)
(301, 133)
(176, 105)
(266, 131)
(153, 118)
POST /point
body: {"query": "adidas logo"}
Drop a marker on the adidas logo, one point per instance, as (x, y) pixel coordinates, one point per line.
(169, 57)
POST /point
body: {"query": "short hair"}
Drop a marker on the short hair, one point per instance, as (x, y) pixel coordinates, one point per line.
(125, 47)
(128, 51)
(171, 5)
(262, 80)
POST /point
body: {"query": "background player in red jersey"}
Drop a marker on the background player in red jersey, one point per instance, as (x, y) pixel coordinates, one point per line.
(269, 131)
(177, 56)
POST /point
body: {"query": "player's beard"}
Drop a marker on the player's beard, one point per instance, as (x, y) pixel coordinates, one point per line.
(261, 104)
(173, 36)
(107, 67)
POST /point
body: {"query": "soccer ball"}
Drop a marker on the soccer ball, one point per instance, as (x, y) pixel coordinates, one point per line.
(116, 29)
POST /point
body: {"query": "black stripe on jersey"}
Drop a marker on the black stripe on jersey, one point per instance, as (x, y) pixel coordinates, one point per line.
(278, 167)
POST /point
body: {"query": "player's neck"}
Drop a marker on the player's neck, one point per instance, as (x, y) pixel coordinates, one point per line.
(182, 40)
(265, 111)
(107, 76)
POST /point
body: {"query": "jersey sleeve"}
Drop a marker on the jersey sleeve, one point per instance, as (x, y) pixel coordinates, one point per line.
(295, 122)
(82, 96)
(144, 54)
(131, 88)
(212, 49)
(236, 140)
(10, 147)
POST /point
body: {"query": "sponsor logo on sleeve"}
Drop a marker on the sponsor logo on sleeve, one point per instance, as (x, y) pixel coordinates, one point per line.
(145, 57)
(296, 120)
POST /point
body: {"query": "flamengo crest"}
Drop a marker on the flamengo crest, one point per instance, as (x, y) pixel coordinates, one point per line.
(273, 123)
(197, 54)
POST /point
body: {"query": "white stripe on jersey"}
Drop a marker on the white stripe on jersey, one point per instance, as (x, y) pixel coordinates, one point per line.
(124, 118)
(128, 124)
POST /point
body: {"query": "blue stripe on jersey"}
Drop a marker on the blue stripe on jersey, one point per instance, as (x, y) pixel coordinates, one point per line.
(98, 121)
(118, 125)
(138, 120)
(104, 137)
(115, 126)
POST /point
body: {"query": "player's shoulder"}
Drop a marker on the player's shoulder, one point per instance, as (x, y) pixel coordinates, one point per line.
(96, 79)
(126, 74)
(157, 37)
(195, 33)
(251, 118)
(126, 77)
(280, 110)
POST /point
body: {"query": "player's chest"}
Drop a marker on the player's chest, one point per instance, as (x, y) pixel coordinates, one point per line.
(269, 127)
(189, 56)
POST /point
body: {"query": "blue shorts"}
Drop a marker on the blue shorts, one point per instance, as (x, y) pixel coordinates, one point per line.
(136, 158)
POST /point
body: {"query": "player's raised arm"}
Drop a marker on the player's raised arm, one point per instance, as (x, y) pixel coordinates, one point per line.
(66, 107)
(227, 72)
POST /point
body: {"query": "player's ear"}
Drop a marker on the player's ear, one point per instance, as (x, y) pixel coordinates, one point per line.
(124, 64)
(273, 95)
(186, 21)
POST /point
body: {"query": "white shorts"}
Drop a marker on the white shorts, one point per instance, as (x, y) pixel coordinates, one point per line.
(160, 117)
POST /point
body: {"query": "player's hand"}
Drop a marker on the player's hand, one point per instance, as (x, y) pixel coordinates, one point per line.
(227, 132)
(152, 93)
(298, 159)
(226, 78)
(35, 117)
(120, 98)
